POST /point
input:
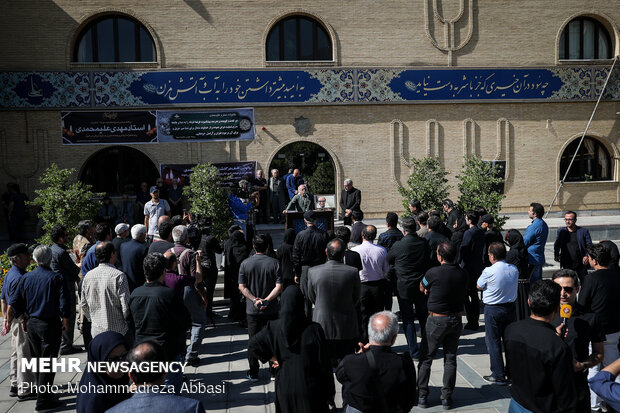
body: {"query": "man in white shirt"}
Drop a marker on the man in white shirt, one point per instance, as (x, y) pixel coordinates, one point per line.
(154, 209)
(105, 294)
(499, 286)
(374, 270)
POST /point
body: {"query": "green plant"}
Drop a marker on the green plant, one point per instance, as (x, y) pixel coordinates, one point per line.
(208, 198)
(428, 183)
(477, 183)
(64, 201)
(322, 182)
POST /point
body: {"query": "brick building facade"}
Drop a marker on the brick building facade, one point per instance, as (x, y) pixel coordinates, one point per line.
(374, 104)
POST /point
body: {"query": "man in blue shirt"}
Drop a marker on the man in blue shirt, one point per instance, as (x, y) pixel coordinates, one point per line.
(20, 258)
(149, 396)
(606, 385)
(499, 285)
(535, 239)
(103, 232)
(42, 295)
(291, 183)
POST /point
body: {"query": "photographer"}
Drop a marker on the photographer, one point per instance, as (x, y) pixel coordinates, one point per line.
(242, 207)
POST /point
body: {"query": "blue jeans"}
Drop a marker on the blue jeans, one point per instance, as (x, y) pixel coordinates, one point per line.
(193, 303)
(496, 319)
(517, 408)
(408, 315)
(175, 379)
(536, 271)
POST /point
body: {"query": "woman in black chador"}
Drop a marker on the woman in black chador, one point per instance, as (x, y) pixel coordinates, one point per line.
(304, 378)
(517, 256)
(235, 251)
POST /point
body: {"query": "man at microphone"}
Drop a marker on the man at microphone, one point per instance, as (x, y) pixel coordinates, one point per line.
(579, 329)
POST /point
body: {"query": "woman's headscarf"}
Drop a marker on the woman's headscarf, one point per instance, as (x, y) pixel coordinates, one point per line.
(515, 240)
(238, 248)
(518, 253)
(98, 350)
(293, 319)
(289, 236)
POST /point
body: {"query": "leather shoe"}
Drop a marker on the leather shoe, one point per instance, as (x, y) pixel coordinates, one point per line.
(493, 380)
(70, 350)
(471, 327)
(49, 405)
(446, 403)
(13, 391)
(25, 397)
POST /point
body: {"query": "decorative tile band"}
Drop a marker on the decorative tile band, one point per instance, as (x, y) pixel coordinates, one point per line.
(146, 89)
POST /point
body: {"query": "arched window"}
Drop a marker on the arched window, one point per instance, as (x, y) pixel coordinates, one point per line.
(592, 162)
(115, 38)
(118, 169)
(585, 38)
(298, 38)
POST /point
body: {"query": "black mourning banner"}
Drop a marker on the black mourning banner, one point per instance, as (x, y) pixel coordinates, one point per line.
(84, 128)
(231, 172)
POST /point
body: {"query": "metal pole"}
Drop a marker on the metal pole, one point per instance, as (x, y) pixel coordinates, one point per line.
(582, 137)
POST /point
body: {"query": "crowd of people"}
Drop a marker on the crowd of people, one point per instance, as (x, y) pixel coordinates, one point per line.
(321, 304)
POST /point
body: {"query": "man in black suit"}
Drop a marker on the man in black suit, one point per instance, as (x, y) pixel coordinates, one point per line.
(377, 363)
(334, 289)
(351, 257)
(308, 251)
(472, 261)
(410, 257)
(350, 200)
(357, 227)
(434, 237)
(132, 256)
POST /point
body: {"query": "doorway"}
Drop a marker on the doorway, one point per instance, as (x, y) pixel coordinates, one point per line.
(313, 161)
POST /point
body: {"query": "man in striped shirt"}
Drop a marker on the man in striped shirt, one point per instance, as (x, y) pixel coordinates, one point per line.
(105, 294)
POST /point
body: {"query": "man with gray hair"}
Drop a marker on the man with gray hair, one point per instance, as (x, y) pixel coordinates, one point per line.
(391, 376)
(42, 295)
(277, 196)
(132, 256)
(105, 295)
(302, 201)
(350, 200)
(194, 296)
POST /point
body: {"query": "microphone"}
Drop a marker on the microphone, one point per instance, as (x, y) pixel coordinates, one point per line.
(566, 310)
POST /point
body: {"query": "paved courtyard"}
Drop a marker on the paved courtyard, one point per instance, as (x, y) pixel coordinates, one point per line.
(224, 359)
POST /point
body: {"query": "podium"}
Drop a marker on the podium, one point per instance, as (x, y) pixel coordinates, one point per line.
(295, 220)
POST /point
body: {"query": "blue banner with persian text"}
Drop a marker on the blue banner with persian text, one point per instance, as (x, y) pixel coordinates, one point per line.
(475, 84)
(328, 86)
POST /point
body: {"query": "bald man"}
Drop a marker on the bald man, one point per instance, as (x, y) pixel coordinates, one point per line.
(359, 372)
